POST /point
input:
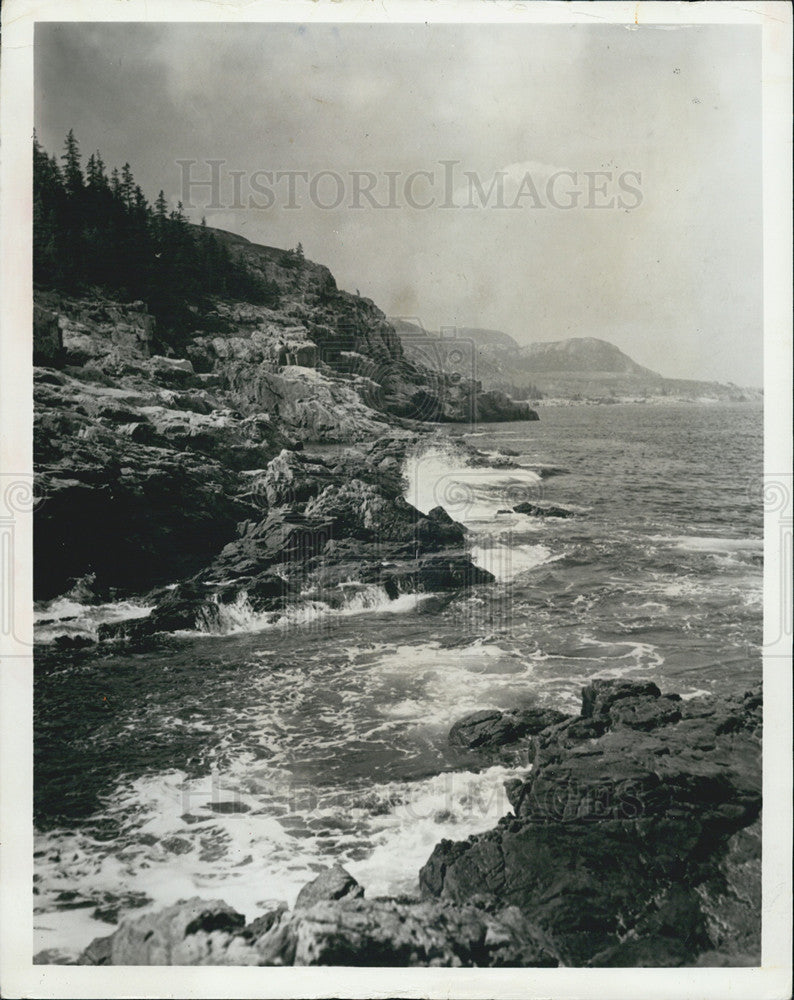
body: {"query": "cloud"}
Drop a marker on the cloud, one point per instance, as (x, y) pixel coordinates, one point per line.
(680, 278)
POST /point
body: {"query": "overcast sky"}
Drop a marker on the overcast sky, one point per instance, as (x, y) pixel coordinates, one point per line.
(671, 273)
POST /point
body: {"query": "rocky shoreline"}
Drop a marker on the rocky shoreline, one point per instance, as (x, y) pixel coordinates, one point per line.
(155, 469)
(260, 467)
(634, 841)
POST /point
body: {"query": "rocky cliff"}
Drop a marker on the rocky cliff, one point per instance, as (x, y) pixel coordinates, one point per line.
(153, 462)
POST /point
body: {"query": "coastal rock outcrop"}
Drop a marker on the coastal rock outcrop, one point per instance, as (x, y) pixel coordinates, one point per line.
(492, 728)
(136, 483)
(320, 530)
(625, 817)
(148, 465)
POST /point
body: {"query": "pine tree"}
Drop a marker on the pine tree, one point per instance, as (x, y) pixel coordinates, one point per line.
(161, 206)
(127, 186)
(73, 175)
(95, 231)
(101, 175)
(91, 172)
(140, 202)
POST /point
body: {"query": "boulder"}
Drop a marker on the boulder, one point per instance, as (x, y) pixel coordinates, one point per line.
(542, 510)
(497, 407)
(361, 510)
(334, 883)
(282, 537)
(170, 371)
(292, 478)
(99, 952)
(194, 932)
(438, 531)
(447, 571)
(390, 933)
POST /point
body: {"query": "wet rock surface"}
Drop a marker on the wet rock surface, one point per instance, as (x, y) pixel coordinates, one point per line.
(542, 510)
(334, 883)
(622, 828)
(492, 728)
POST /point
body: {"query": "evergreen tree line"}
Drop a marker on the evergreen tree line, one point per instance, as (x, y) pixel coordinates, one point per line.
(92, 229)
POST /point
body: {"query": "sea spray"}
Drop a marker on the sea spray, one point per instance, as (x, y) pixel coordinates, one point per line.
(481, 496)
(64, 616)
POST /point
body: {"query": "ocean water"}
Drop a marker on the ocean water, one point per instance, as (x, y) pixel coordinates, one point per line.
(239, 764)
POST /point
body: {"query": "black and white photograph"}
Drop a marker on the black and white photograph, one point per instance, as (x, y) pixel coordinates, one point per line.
(400, 578)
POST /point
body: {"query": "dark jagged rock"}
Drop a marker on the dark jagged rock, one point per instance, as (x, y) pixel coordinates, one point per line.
(448, 571)
(599, 696)
(620, 827)
(292, 478)
(99, 952)
(363, 511)
(47, 339)
(542, 510)
(134, 517)
(388, 933)
(492, 728)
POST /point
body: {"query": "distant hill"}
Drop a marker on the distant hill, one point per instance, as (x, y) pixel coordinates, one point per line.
(578, 369)
(489, 338)
(581, 354)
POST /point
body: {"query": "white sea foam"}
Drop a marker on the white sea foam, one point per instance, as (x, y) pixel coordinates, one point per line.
(481, 498)
(452, 680)
(174, 845)
(701, 543)
(65, 616)
(441, 476)
(507, 561)
(454, 805)
(346, 600)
